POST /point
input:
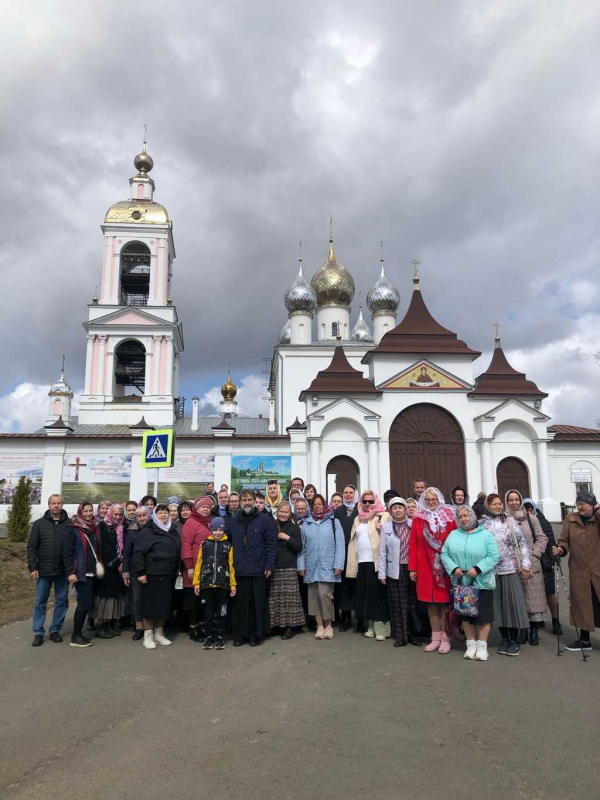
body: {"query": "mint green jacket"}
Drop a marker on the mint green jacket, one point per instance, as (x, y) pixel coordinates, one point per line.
(477, 548)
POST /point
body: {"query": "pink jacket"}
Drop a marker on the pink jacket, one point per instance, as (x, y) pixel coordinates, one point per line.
(194, 533)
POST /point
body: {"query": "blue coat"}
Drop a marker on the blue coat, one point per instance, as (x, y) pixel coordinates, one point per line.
(74, 552)
(323, 551)
(475, 549)
(259, 552)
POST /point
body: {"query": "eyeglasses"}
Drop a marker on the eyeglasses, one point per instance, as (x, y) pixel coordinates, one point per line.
(368, 502)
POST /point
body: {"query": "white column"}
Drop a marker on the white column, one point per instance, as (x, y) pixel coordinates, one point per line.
(89, 363)
(314, 447)
(169, 386)
(373, 464)
(110, 376)
(545, 486)
(487, 467)
(101, 364)
(148, 371)
(156, 365)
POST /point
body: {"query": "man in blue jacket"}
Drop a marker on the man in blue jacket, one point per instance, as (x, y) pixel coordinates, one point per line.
(254, 554)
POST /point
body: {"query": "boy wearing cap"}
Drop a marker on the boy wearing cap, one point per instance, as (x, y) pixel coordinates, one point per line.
(214, 582)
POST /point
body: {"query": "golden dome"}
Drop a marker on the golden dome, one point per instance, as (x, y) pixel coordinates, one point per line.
(138, 211)
(333, 283)
(143, 162)
(229, 389)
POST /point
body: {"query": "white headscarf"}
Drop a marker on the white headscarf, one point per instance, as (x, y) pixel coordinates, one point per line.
(164, 526)
(437, 518)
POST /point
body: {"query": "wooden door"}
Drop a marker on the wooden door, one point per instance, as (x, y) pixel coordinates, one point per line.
(345, 470)
(511, 473)
(427, 443)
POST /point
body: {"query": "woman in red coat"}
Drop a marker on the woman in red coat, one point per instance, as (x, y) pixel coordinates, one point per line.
(196, 530)
(430, 528)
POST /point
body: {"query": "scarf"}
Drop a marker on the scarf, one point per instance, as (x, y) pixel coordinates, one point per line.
(164, 526)
(435, 521)
(89, 527)
(473, 523)
(520, 513)
(277, 501)
(402, 531)
(108, 519)
(376, 508)
(352, 503)
(318, 517)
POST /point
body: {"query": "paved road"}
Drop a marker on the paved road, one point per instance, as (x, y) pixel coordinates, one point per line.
(343, 719)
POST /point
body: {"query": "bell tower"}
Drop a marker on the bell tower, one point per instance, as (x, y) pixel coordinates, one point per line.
(134, 338)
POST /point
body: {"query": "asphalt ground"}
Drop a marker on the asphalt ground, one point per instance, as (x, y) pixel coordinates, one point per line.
(345, 718)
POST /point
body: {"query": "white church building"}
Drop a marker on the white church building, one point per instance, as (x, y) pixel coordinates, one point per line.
(375, 405)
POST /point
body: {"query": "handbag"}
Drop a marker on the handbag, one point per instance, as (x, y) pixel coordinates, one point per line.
(179, 582)
(99, 565)
(465, 602)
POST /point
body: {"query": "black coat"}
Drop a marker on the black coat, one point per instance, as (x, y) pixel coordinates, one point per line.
(346, 521)
(112, 584)
(254, 543)
(478, 507)
(288, 549)
(46, 544)
(546, 559)
(157, 552)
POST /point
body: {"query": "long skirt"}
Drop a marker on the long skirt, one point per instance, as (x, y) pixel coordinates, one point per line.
(535, 594)
(345, 594)
(485, 609)
(251, 610)
(402, 597)
(371, 596)
(156, 596)
(549, 582)
(106, 608)
(510, 610)
(285, 603)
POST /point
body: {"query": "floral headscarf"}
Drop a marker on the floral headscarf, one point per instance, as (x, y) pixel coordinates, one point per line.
(119, 530)
(79, 521)
(473, 521)
(377, 507)
(437, 518)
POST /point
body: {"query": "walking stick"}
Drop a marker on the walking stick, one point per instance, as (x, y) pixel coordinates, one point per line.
(556, 562)
(562, 575)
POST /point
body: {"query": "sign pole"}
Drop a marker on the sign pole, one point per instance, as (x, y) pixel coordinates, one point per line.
(156, 474)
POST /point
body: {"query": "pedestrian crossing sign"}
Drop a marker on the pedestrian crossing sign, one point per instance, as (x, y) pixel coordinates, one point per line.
(158, 448)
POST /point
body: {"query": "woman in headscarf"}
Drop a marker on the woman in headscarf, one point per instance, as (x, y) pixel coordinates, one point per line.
(534, 589)
(285, 603)
(470, 555)
(430, 528)
(510, 611)
(580, 538)
(195, 531)
(459, 497)
(156, 559)
(172, 504)
(81, 558)
(310, 494)
(363, 562)
(184, 512)
(393, 571)
(133, 586)
(345, 591)
(320, 563)
(110, 595)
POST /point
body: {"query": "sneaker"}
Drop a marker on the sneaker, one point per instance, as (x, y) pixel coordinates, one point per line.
(38, 641)
(481, 653)
(79, 640)
(104, 632)
(160, 638)
(513, 649)
(328, 633)
(255, 641)
(56, 637)
(471, 650)
(557, 628)
(320, 634)
(370, 634)
(149, 642)
(238, 642)
(578, 646)
(380, 637)
(209, 643)
(115, 629)
(219, 643)
(502, 647)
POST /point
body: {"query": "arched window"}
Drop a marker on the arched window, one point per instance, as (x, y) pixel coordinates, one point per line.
(130, 366)
(335, 329)
(135, 274)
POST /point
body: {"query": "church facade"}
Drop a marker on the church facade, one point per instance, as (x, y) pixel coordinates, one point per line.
(377, 406)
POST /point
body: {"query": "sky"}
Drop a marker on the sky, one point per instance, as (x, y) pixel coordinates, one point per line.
(463, 134)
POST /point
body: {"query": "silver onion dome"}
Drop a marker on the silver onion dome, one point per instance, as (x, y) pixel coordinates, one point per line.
(361, 332)
(61, 386)
(285, 335)
(383, 298)
(300, 297)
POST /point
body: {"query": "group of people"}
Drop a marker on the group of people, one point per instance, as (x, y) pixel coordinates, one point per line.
(254, 564)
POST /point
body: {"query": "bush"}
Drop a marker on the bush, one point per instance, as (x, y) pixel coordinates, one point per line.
(19, 516)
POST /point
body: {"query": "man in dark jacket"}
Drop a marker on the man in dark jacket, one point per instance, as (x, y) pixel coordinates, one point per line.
(45, 550)
(254, 554)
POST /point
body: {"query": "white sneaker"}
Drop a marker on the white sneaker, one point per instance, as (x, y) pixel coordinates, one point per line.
(149, 642)
(320, 634)
(471, 649)
(160, 638)
(328, 632)
(482, 652)
(370, 634)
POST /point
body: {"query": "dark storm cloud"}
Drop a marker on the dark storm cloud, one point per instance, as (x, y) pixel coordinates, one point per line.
(463, 134)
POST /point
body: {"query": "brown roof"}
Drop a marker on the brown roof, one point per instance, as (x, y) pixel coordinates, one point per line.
(501, 379)
(420, 333)
(296, 426)
(340, 378)
(571, 433)
(223, 426)
(142, 424)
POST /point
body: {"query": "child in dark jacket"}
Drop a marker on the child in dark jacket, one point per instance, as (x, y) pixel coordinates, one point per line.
(214, 582)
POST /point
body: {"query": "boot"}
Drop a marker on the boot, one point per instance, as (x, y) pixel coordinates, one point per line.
(103, 631)
(556, 627)
(139, 634)
(149, 642)
(346, 623)
(481, 653)
(523, 636)
(193, 634)
(436, 640)
(444, 644)
(115, 627)
(287, 633)
(471, 649)
(534, 638)
(160, 638)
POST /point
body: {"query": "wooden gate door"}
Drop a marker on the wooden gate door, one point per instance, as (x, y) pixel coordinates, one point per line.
(427, 443)
(511, 473)
(345, 470)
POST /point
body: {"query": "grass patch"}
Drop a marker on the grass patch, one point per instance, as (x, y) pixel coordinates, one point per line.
(17, 590)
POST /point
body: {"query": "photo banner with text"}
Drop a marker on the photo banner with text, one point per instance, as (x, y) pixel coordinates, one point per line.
(13, 467)
(253, 472)
(186, 480)
(96, 477)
